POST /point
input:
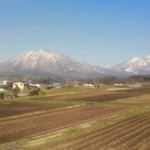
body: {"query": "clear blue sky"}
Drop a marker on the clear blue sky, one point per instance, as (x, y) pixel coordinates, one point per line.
(100, 32)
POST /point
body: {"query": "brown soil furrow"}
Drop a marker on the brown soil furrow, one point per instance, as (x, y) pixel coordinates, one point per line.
(132, 141)
(102, 141)
(115, 128)
(81, 141)
(116, 138)
(143, 144)
(128, 136)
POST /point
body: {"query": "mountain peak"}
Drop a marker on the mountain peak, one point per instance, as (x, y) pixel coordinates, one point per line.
(134, 60)
(41, 51)
(46, 54)
(48, 62)
(135, 65)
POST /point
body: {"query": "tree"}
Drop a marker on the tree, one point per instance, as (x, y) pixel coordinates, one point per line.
(16, 91)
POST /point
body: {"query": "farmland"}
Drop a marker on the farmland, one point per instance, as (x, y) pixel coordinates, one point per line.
(124, 135)
(79, 119)
(52, 121)
(16, 108)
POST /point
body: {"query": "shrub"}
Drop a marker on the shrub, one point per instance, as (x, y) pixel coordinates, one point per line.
(35, 92)
(2, 95)
(50, 87)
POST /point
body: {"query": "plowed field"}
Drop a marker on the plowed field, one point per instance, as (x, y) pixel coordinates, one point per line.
(133, 134)
(100, 95)
(24, 127)
(8, 109)
(116, 95)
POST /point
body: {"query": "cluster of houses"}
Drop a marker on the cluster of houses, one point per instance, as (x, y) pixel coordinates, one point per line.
(5, 85)
(8, 86)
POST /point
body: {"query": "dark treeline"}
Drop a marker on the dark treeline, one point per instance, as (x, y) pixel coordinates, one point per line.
(112, 79)
(68, 80)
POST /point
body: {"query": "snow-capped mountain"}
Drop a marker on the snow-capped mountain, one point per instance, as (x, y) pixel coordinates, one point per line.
(134, 65)
(43, 61)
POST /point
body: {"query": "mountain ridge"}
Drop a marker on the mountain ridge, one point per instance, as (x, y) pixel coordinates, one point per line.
(51, 62)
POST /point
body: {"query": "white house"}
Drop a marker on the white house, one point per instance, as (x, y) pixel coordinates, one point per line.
(3, 82)
(88, 85)
(19, 84)
(2, 90)
(35, 85)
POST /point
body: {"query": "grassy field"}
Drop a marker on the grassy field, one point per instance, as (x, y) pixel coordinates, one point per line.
(78, 118)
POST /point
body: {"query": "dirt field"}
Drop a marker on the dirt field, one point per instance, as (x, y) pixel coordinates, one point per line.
(23, 127)
(133, 134)
(74, 109)
(8, 109)
(110, 96)
(101, 96)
